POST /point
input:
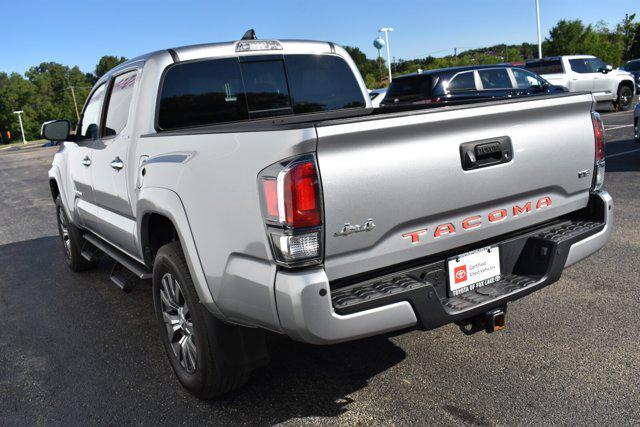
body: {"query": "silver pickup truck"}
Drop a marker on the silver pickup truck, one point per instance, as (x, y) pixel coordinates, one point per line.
(257, 189)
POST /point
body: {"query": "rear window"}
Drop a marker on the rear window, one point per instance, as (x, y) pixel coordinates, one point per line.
(226, 90)
(409, 88)
(553, 66)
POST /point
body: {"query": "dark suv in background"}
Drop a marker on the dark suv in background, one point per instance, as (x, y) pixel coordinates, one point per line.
(450, 85)
(633, 67)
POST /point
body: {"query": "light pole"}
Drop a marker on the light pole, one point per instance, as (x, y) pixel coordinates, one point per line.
(19, 113)
(539, 36)
(386, 31)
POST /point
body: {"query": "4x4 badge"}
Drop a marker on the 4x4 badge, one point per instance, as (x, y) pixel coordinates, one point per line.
(357, 228)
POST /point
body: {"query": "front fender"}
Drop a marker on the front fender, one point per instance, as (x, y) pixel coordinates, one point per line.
(55, 175)
(167, 203)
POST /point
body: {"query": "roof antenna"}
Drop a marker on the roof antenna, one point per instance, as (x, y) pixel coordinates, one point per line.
(250, 35)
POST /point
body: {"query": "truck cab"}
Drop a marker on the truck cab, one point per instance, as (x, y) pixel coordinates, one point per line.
(590, 74)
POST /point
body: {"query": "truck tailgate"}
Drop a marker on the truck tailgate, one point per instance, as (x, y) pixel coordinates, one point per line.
(404, 173)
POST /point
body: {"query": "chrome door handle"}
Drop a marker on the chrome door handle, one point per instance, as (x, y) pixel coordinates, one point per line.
(86, 161)
(117, 164)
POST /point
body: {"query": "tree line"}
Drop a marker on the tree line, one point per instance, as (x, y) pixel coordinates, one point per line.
(47, 91)
(614, 45)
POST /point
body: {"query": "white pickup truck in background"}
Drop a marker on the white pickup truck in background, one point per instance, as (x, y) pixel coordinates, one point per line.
(580, 73)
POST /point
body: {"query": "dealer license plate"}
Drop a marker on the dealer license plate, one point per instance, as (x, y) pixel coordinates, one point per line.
(473, 270)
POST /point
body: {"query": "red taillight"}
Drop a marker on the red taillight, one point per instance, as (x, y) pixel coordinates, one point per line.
(270, 192)
(291, 194)
(301, 201)
(598, 130)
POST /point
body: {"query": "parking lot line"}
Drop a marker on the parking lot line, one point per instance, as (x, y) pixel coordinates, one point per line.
(617, 127)
(622, 154)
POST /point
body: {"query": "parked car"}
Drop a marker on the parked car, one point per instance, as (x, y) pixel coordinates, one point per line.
(471, 83)
(252, 183)
(376, 96)
(633, 67)
(587, 73)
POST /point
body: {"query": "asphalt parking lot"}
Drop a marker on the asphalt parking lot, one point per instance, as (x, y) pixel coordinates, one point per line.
(75, 349)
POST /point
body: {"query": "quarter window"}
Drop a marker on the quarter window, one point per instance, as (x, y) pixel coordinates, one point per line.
(119, 103)
(91, 114)
(497, 78)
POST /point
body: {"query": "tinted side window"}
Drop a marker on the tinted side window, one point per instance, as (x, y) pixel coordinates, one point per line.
(553, 66)
(119, 103)
(497, 78)
(409, 88)
(580, 66)
(632, 66)
(200, 93)
(91, 114)
(462, 81)
(595, 64)
(266, 88)
(321, 83)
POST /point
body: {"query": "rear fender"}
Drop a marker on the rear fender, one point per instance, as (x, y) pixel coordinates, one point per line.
(167, 203)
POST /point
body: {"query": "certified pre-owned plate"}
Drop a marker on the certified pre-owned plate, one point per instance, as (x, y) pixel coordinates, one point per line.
(473, 270)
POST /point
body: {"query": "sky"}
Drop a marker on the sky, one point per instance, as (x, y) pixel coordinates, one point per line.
(79, 32)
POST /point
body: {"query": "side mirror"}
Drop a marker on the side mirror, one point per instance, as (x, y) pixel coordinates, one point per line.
(609, 68)
(56, 130)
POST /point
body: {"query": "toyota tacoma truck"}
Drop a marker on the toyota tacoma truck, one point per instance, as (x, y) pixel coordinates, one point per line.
(255, 187)
(587, 73)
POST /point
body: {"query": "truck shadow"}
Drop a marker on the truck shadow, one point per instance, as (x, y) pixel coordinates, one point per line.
(312, 381)
(72, 329)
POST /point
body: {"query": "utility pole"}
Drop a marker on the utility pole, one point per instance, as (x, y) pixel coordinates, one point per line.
(386, 31)
(75, 103)
(539, 36)
(19, 113)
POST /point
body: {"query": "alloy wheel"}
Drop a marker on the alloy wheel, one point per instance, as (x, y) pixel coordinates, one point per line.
(625, 96)
(177, 320)
(64, 232)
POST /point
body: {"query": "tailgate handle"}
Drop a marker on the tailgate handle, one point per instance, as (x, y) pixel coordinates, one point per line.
(486, 152)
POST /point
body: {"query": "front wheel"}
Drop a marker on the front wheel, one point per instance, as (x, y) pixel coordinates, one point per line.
(625, 98)
(72, 241)
(209, 357)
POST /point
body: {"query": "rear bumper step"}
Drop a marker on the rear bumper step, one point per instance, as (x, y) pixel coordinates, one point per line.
(417, 297)
(535, 250)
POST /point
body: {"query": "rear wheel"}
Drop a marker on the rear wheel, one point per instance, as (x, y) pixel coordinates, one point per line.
(625, 98)
(72, 241)
(209, 357)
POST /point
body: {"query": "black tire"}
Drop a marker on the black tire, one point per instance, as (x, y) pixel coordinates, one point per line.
(624, 101)
(72, 241)
(225, 355)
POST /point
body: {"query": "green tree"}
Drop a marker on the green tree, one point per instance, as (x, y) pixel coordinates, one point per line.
(629, 31)
(106, 63)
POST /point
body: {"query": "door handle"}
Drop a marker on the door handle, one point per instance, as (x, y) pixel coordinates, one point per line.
(117, 164)
(86, 161)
